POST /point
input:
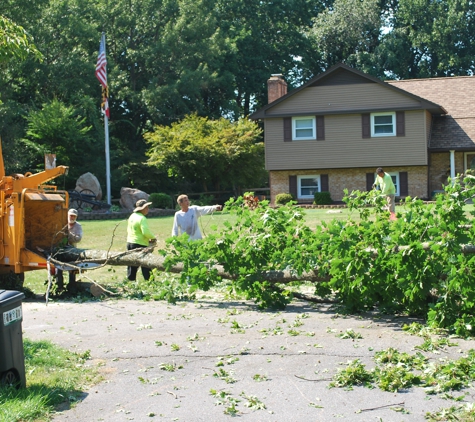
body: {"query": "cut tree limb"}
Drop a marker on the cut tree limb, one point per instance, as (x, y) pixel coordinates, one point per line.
(146, 258)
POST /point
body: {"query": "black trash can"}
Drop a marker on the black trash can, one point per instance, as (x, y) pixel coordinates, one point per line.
(12, 357)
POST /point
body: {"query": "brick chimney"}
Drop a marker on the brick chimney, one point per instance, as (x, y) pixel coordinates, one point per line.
(276, 87)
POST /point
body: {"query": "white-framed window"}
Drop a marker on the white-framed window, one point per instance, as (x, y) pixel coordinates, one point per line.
(383, 124)
(395, 177)
(307, 185)
(304, 128)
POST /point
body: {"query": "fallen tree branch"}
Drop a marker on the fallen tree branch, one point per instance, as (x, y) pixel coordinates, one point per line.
(145, 258)
(464, 248)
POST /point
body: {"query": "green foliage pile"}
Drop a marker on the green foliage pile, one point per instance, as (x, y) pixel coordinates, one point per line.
(283, 198)
(414, 265)
(396, 371)
(322, 198)
(161, 200)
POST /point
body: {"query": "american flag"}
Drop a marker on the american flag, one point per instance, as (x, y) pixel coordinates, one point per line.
(101, 71)
(101, 74)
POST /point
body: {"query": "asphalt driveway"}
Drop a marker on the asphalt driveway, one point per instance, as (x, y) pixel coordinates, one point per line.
(209, 359)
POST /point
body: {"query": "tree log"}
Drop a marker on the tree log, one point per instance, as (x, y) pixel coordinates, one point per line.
(146, 258)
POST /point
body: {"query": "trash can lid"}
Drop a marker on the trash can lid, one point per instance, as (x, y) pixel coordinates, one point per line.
(9, 296)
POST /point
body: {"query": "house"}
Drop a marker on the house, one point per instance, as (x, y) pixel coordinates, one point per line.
(334, 131)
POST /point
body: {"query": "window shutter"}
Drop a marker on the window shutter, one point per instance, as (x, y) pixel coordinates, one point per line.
(293, 186)
(366, 125)
(400, 124)
(324, 183)
(403, 184)
(320, 128)
(369, 181)
(287, 129)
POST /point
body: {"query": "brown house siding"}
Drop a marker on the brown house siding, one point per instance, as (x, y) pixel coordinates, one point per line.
(351, 179)
(328, 99)
(344, 146)
(428, 118)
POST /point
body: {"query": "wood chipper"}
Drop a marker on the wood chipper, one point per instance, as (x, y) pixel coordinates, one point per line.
(32, 218)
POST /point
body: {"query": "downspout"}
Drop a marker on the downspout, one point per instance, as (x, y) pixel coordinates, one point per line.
(452, 166)
(429, 159)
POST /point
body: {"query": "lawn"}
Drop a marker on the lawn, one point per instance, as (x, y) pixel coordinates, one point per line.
(54, 376)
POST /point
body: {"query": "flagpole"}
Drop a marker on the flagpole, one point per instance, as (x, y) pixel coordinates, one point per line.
(108, 170)
(106, 133)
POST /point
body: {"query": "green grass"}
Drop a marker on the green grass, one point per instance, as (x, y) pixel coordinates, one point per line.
(54, 377)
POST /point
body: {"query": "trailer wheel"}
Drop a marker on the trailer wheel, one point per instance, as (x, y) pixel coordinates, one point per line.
(10, 379)
(88, 195)
(75, 203)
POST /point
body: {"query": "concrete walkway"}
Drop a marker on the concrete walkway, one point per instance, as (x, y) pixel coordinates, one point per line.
(161, 361)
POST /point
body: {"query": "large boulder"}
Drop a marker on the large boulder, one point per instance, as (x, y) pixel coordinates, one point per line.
(89, 182)
(129, 196)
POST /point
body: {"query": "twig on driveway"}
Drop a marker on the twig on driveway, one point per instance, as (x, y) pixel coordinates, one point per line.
(321, 379)
(380, 407)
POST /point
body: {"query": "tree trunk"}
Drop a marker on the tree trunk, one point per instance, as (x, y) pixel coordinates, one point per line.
(145, 258)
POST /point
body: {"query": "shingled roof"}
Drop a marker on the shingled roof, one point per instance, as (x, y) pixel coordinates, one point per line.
(456, 130)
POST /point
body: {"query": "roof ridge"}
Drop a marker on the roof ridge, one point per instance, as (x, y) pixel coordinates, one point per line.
(437, 78)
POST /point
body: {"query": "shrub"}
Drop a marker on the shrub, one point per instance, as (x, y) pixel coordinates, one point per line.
(204, 200)
(161, 200)
(283, 198)
(322, 198)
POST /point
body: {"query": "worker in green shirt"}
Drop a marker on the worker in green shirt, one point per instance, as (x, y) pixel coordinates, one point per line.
(385, 183)
(139, 235)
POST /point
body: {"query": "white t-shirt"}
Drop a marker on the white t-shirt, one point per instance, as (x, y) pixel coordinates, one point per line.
(187, 222)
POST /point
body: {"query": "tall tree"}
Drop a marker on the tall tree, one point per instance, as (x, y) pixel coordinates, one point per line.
(15, 42)
(65, 35)
(348, 31)
(268, 38)
(430, 38)
(58, 128)
(165, 61)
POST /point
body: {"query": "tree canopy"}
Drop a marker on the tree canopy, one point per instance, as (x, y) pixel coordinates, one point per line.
(168, 59)
(15, 42)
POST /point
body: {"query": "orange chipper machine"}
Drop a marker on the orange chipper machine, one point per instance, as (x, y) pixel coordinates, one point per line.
(32, 218)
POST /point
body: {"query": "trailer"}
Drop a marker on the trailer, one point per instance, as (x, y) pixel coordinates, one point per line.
(84, 199)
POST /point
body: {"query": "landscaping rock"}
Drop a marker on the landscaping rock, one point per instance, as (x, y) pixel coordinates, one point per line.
(89, 181)
(129, 197)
